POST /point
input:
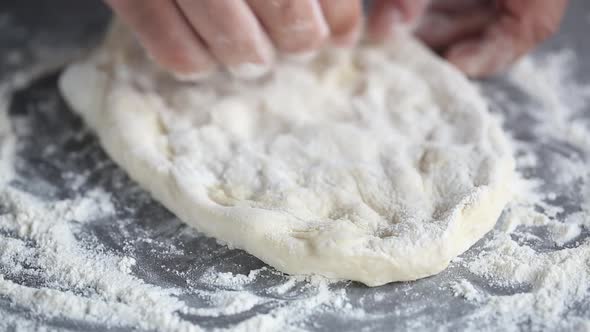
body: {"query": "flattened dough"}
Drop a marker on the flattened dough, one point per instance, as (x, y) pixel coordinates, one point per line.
(376, 165)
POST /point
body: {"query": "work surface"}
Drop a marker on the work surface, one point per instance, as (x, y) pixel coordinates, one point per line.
(195, 282)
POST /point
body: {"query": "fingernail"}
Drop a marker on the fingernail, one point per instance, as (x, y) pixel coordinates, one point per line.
(300, 57)
(249, 71)
(194, 77)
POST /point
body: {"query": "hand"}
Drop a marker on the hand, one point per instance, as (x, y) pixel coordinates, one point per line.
(480, 37)
(194, 37)
(483, 37)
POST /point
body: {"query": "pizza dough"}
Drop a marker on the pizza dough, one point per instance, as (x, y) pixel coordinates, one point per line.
(376, 165)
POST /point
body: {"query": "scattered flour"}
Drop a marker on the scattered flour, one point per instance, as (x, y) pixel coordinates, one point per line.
(51, 273)
(547, 282)
(228, 279)
(465, 289)
(530, 273)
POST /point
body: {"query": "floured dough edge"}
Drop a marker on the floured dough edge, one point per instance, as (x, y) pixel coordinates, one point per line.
(121, 125)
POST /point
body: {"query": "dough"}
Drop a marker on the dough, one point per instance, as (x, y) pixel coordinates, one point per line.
(376, 165)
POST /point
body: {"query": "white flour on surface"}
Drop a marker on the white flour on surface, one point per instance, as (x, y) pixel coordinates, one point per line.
(81, 281)
(532, 272)
(556, 274)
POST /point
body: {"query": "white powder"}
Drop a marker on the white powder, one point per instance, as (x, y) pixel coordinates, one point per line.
(49, 271)
(465, 289)
(557, 279)
(81, 281)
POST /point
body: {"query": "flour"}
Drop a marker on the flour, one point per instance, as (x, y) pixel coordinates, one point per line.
(558, 277)
(69, 277)
(532, 272)
(228, 279)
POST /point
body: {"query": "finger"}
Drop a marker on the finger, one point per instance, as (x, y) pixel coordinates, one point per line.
(440, 29)
(344, 20)
(386, 15)
(165, 34)
(479, 58)
(383, 16)
(533, 21)
(522, 26)
(232, 33)
(295, 26)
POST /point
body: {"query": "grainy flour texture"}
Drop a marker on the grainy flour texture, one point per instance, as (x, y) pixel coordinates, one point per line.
(59, 268)
(376, 164)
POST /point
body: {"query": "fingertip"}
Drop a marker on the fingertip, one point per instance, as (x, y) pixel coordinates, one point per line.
(232, 33)
(383, 18)
(482, 58)
(301, 57)
(194, 76)
(344, 19)
(292, 27)
(348, 39)
(249, 71)
(184, 62)
(165, 36)
(466, 57)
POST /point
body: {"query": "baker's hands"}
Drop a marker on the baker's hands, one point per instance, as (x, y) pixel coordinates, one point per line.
(483, 37)
(192, 38)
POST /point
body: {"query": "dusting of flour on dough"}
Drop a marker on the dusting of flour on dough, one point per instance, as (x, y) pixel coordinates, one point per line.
(374, 164)
(531, 273)
(49, 270)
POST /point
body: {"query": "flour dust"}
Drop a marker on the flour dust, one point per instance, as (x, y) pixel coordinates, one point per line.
(531, 272)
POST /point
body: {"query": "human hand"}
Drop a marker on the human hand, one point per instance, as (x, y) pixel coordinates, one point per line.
(480, 37)
(192, 38)
(483, 37)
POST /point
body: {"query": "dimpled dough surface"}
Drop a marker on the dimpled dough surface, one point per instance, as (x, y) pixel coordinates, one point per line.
(376, 165)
